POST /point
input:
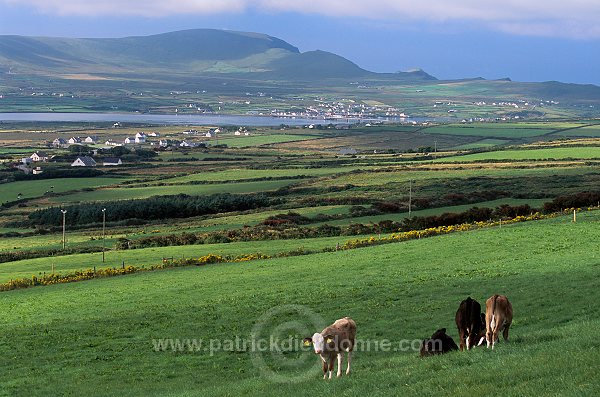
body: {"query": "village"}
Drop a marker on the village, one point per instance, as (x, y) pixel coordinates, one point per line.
(91, 151)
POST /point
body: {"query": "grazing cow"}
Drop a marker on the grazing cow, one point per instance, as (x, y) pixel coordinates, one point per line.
(439, 343)
(339, 337)
(498, 317)
(470, 324)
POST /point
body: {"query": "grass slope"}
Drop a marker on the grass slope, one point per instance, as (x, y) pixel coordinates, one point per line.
(95, 338)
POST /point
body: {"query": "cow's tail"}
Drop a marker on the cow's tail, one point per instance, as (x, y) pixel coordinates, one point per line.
(493, 323)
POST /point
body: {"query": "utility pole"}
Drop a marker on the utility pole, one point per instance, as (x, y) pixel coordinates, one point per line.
(103, 232)
(410, 199)
(64, 213)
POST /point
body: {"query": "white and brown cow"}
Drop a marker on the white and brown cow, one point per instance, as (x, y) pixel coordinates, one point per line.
(332, 342)
(470, 324)
(498, 317)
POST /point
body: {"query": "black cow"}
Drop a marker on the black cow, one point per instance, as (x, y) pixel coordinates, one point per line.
(439, 343)
(470, 323)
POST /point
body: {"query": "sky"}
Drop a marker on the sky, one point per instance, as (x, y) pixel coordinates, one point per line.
(525, 40)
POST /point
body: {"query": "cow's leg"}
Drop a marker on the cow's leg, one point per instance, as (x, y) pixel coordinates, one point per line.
(494, 337)
(489, 324)
(349, 359)
(324, 368)
(505, 332)
(331, 364)
(340, 358)
(468, 339)
(461, 336)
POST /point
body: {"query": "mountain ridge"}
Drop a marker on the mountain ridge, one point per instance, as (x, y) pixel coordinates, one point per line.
(208, 51)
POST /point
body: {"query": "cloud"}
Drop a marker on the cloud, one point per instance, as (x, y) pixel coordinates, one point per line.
(560, 18)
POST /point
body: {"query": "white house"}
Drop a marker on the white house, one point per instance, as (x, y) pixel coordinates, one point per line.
(39, 156)
(129, 140)
(140, 137)
(111, 161)
(208, 134)
(110, 142)
(37, 170)
(84, 161)
(163, 143)
(59, 142)
(74, 140)
(154, 134)
(187, 144)
(90, 139)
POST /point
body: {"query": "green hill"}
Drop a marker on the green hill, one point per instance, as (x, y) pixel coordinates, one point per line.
(206, 51)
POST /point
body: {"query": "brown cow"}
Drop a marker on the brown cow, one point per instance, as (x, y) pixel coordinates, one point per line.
(333, 341)
(498, 317)
(470, 324)
(439, 343)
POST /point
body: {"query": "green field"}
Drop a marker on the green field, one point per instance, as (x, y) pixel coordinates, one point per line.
(258, 140)
(37, 188)
(97, 336)
(484, 143)
(587, 152)
(245, 173)
(489, 130)
(143, 192)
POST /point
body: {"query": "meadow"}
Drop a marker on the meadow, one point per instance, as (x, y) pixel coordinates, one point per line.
(97, 336)
(591, 152)
(32, 189)
(102, 336)
(125, 193)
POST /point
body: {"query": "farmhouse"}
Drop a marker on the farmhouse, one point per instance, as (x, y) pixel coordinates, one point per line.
(154, 134)
(37, 170)
(163, 143)
(187, 144)
(112, 161)
(74, 140)
(208, 134)
(91, 139)
(59, 142)
(140, 137)
(110, 142)
(129, 140)
(39, 156)
(84, 161)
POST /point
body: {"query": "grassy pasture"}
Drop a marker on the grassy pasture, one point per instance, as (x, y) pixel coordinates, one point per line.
(96, 336)
(484, 143)
(445, 174)
(592, 131)
(490, 131)
(150, 256)
(587, 152)
(37, 188)
(258, 140)
(233, 174)
(144, 192)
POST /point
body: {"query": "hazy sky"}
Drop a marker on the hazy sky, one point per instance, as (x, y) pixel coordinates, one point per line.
(527, 40)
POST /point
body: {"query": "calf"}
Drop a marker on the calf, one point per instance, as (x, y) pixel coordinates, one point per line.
(498, 317)
(470, 324)
(333, 341)
(439, 343)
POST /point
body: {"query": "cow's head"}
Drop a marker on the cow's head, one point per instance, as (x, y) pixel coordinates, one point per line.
(319, 342)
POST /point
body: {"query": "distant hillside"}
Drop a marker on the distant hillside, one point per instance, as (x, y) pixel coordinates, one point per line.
(200, 51)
